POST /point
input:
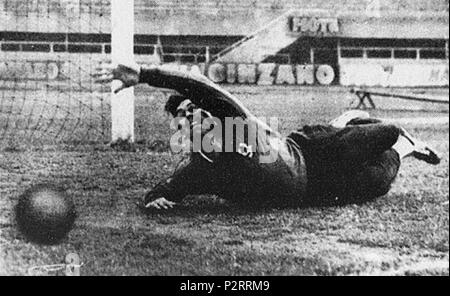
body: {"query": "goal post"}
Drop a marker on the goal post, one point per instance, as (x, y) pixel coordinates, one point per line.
(122, 52)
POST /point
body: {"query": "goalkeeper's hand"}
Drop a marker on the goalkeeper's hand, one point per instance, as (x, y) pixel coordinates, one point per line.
(120, 76)
(160, 204)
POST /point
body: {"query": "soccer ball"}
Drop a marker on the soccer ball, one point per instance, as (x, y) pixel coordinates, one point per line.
(45, 214)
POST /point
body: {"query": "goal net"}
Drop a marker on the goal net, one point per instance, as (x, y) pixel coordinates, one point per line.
(48, 51)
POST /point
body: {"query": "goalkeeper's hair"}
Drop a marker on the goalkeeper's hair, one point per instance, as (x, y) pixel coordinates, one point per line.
(172, 104)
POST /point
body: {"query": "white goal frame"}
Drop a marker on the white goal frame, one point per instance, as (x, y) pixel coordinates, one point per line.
(122, 52)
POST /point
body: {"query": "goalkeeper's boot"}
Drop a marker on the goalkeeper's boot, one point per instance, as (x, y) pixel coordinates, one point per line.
(422, 150)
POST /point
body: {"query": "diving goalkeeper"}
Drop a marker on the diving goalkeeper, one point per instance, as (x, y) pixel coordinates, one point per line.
(353, 159)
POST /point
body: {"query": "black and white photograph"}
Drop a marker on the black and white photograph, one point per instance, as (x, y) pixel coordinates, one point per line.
(214, 140)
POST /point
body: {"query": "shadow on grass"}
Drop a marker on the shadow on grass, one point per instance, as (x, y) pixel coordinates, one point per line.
(214, 206)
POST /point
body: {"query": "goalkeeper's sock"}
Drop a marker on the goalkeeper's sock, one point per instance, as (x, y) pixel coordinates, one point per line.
(344, 119)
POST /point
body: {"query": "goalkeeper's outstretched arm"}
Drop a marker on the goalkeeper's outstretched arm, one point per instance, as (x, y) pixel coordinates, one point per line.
(199, 89)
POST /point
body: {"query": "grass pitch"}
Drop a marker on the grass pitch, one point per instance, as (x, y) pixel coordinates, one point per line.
(404, 233)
